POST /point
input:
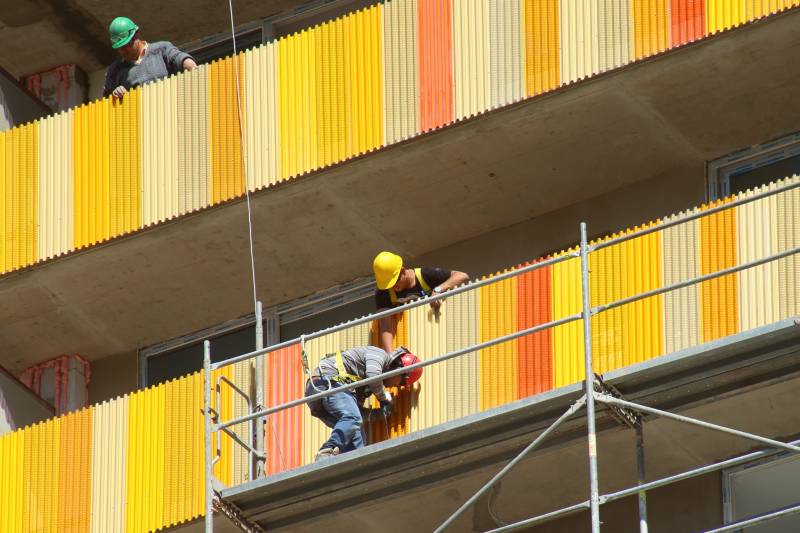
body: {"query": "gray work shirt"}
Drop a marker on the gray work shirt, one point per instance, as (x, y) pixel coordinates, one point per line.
(361, 361)
(160, 60)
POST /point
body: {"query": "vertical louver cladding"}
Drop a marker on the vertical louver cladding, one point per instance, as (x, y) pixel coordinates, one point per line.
(427, 333)
(401, 87)
(225, 97)
(463, 378)
(262, 124)
(542, 46)
(789, 237)
(688, 21)
(723, 15)
(471, 57)
(19, 196)
(535, 351)
(194, 153)
(567, 338)
(680, 263)
(506, 52)
(498, 316)
(55, 186)
(124, 159)
(760, 8)
(109, 466)
(435, 60)
(718, 297)
(160, 154)
(284, 382)
(614, 33)
(651, 27)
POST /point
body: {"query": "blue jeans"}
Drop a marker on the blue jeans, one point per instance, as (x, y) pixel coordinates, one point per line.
(339, 412)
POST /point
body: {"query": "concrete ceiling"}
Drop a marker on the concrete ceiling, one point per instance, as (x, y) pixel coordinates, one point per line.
(37, 35)
(658, 119)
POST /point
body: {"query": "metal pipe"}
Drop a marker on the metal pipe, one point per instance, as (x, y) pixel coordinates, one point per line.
(758, 519)
(640, 477)
(209, 491)
(688, 218)
(397, 372)
(399, 309)
(532, 446)
(566, 511)
(708, 425)
(258, 426)
(588, 383)
(238, 439)
(694, 281)
(252, 454)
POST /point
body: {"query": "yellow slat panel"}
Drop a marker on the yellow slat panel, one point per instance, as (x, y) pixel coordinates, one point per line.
(223, 470)
(760, 8)
(498, 309)
(718, 296)
(471, 57)
(227, 166)
(74, 478)
(723, 14)
(160, 151)
(125, 181)
(5, 183)
(55, 185)
(20, 203)
(109, 466)
(680, 263)
(651, 27)
(12, 465)
(262, 123)
(91, 172)
(506, 53)
(567, 338)
(580, 54)
(241, 377)
(401, 83)
(41, 469)
(542, 46)
(333, 110)
(194, 155)
(788, 236)
(463, 373)
(427, 336)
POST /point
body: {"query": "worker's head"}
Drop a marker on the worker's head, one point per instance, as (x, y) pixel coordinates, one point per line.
(124, 35)
(401, 357)
(387, 267)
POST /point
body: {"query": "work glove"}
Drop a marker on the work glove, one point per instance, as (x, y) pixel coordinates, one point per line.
(386, 403)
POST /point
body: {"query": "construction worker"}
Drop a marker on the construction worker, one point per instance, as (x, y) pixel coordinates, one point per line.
(140, 62)
(342, 411)
(397, 285)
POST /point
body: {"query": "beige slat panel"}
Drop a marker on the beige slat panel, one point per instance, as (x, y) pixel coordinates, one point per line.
(679, 253)
(160, 151)
(194, 155)
(55, 186)
(788, 236)
(463, 373)
(262, 123)
(471, 57)
(427, 337)
(401, 84)
(109, 438)
(579, 35)
(314, 431)
(506, 55)
(757, 238)
(614, 32)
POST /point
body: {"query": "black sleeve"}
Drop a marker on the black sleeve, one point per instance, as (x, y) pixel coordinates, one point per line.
(435, 276)
(110, 83)
(383, 300)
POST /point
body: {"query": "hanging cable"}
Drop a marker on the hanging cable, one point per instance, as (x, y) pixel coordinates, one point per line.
(244, 156)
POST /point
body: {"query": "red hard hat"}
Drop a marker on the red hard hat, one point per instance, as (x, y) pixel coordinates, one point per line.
(413, 376)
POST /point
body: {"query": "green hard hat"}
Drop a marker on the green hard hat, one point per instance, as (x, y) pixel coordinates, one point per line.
(121, 31)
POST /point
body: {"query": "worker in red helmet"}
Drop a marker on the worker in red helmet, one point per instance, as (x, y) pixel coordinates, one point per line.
(342, 411)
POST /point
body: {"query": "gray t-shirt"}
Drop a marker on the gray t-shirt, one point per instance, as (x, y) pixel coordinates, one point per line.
(160, 60)
(361, 361)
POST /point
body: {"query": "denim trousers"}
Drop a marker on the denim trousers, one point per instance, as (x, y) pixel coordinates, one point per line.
(341, 413)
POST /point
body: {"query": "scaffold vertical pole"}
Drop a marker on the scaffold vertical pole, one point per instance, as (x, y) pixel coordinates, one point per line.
(640, 473)
(209, 472)
(594, 493)
(259, 403)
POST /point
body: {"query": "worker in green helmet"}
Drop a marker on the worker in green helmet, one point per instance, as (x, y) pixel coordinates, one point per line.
(140, 62)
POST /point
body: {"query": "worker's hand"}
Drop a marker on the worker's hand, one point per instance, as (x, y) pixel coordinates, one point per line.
(386, 409)
(119, 92)
(436, 304)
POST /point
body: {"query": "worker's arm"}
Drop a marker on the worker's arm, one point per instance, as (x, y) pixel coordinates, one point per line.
(387, 329)
(443, 281)
(456, 278)
(374, 366)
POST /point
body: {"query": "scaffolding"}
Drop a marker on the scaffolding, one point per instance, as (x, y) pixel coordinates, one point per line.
(594, 391)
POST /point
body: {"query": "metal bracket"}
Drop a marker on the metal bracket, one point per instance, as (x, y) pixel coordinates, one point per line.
(235, 515)
(623, 415)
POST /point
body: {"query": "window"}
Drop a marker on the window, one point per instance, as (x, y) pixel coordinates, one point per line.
(760, 487)
(755, 166)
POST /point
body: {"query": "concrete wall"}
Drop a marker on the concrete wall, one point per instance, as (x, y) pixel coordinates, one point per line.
(19, 407)
(16, 105)
(113, 376)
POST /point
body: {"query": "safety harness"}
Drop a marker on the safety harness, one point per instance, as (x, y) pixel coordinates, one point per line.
(422, 283)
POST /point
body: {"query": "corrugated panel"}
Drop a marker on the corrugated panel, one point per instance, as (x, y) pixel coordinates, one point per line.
(718, 296)
(262, 123)
(144, 502)
(497, 305)
(723, 14)
(789, 237)
(760, 8)
(506, 59)
(40, 476)
(241, 377)
(651, 27)
(567, 338)
(542, 46)
(125, 173)
(535, 352)
(757, 235)
(91, 169)
(331, 99)
(680, 263)
(75, 469)
(19, 178)
(471, 57)
(109, 466)
(12, 465)
(435, 60)
(688, 21)
(614, 31)
(284, 382)
(400, 70)
(580, 53)
(463, 373)
(223, 470)
(427, 336)
(160, 155)
(194, 157)
(227, 167)
(55, 185)
(297, 86)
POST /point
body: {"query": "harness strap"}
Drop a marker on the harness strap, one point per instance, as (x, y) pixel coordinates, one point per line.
(343, 374)
(422, 283)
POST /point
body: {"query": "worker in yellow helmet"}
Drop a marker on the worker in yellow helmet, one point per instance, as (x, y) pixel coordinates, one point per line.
(140, 62)
(398, 284)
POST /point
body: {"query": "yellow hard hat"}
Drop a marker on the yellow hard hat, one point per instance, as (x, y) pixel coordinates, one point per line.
(387, 266)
